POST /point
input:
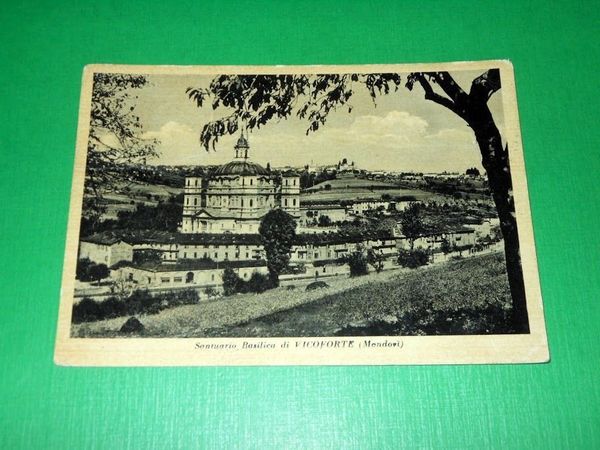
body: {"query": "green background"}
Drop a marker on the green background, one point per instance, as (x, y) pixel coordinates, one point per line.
(554, 47)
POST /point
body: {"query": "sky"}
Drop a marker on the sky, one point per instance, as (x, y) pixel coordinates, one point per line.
(401, 132)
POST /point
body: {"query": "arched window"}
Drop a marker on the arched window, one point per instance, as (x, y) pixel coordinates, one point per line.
(251, 203)
(189, 277)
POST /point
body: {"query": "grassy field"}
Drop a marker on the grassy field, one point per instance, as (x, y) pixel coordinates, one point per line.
(136, 192)
(366, 194)
(359, 189)
(467, 296)
(350, 183)
(196, 320)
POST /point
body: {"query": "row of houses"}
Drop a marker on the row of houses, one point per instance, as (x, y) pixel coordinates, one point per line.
(113, 247)
(198, 260)
(310, 213)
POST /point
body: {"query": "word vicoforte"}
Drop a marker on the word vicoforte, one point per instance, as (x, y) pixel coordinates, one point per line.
(326, 344)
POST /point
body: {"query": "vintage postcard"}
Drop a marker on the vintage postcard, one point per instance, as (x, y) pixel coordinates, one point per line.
(311, 215)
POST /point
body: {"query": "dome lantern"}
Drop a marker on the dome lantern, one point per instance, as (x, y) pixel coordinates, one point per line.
(242, 147)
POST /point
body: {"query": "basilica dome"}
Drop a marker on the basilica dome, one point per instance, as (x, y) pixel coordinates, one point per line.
(240, 167)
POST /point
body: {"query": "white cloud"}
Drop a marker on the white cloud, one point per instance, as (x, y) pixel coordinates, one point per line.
(397, 140)
(179, 144)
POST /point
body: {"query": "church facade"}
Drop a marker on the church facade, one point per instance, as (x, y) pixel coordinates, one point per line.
(234, 197)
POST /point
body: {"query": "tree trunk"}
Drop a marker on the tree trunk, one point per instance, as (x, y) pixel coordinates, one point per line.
(274, 277)
(495, 161)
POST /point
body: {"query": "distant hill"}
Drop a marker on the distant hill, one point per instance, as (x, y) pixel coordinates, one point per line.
(354, 188)
(350, 183)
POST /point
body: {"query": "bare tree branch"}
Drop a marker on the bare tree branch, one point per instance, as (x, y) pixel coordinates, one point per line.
(449, 86)
(430, 94)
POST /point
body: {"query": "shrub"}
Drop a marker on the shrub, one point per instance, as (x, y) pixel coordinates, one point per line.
(358, 263)
(316, 285)
(112, 307)
(164, 299)
(445, 246)
(324, 221)
(413, 258)
(210, 292)
(231, 282)
(188, 296)
(140, 301)
(376, 259)
(90, 271)
(87, 310)
(132, 325)
(155, 308)
(81, 271)
(257, 283)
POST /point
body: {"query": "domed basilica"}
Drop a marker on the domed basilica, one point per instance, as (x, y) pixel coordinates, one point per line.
(234, 197)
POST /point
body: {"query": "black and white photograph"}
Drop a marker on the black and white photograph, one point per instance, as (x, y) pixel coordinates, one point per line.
(312, 215)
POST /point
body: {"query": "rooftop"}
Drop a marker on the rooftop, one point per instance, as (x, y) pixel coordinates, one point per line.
(165, 237)
(240, 167)
(189, 264)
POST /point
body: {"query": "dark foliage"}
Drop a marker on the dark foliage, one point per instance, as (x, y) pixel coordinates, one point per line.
(376, 260)
(147, 256)
(233, 284)
(413, 258)
(357, 261)
(277, 230)
(132, 325)
(491, 319)
(112, 307)
(90, 271)
(257, 283)
(139, 302)
(87, 310)
(411, 223)
(445, 246)
(115, 136)
(316, 285)
(165, 216)
(324, 221)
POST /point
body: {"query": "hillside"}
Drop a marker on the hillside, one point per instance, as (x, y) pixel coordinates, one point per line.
(469, 296)
(350, 183)
(353, 188)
